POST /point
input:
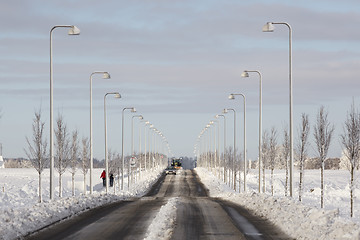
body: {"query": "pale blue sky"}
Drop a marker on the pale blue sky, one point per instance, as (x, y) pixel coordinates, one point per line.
(176, 62)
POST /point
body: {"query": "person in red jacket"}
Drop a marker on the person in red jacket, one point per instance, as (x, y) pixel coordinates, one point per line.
(103, 176)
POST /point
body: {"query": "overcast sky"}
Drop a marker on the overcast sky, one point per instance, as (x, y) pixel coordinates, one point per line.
(176, 62)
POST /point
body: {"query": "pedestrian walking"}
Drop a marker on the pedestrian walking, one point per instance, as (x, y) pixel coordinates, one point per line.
(103, 176)
(111, 180)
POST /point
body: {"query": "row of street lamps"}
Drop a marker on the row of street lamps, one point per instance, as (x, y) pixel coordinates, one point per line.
(73, 30)
(268, 27)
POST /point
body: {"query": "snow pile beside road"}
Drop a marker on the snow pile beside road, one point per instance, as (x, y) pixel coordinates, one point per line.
(162, 225)
(20, 214)
(294, 218)
(21, 221)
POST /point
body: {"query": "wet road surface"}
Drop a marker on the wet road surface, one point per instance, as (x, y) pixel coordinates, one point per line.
(198, 216)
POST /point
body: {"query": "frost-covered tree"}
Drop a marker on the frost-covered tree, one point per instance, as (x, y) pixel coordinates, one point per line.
(229, 164)
(302, 147)
(350, 139)
(265, 154)
(323, 132)
(117, 159)
(85, 159)
(272, 155)
(74, 159)
(239, 166)
(37, 148)
(285, 155)
(113, 165)
(62, 149)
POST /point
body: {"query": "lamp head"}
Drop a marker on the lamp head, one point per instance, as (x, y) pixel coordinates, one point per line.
(141, 117)
(225, 111)
(268, 27)
(106, 75)
(245, 74)
(231, 97)
(133, 110)
(117, 95)
(74, 31)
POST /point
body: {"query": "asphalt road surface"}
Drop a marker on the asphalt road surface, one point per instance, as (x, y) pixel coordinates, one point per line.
(198, 216)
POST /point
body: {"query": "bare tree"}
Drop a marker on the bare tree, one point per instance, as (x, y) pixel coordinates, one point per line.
(37, 148)
(285, 155)
(265, 155)
(302, 147)
(229, 164)
(272, 155)
(74, 159)
(323, 132)
(85, 159)
(117, 159)
(112, 163)
(62, 149)
(351, 142)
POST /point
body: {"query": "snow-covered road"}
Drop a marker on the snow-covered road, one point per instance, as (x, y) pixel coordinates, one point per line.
(20, 213)
(177, 207)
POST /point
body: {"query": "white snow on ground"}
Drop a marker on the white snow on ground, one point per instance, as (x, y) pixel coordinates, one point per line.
(162, 225)
(298, 220)
(21, 214)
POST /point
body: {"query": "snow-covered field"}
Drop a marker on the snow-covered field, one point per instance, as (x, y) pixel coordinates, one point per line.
(299, 220)
(20, 213)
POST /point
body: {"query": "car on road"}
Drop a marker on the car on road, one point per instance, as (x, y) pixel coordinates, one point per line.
(170, 170)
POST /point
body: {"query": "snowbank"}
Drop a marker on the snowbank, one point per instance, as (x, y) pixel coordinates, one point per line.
(20, 213)
(162, 225)
(294, 218)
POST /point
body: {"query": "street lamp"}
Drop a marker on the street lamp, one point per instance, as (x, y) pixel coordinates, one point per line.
(105, 75)
(217, 116)
(122, 144)
(145, 141)
(132, 141)
(132, 132)
(269, 27)
(246, 74)
(116, 95)
(216, 147)
(234, 172)
(72, 31)
(232, 97)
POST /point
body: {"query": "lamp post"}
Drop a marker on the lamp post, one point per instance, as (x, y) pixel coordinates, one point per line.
(269, 27)
(216, 147)
(231, 97)
(116, 95)
(132, 140)
(210, 145)
(72, 31)
(140, 141)
(106, 75)
(217, 116)
(145, 141)
(246, 74)
(234, 172)
(132, 132)
(122, 144)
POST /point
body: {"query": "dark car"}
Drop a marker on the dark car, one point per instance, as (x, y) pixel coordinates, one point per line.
(170, 170)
